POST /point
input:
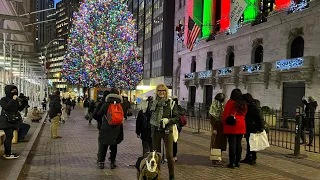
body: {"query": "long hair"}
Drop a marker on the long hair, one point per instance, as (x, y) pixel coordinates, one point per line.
(248, 98)
(164, 87)
(240, 104)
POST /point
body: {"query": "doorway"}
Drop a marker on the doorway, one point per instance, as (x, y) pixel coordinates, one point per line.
(208, 98)
(192, 100)
(292, 97)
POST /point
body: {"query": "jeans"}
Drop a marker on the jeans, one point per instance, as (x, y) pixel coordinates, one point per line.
(23, 131)
(146, 146)
(251, 155)
(168, 141)
(54, 126)
(103, 152)
(8, 140)
(235, 148)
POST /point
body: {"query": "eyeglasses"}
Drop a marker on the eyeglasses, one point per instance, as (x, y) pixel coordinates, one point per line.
(162, 90)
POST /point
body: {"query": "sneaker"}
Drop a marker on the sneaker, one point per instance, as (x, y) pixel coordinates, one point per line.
(175, 159)
(231, 166)
(245, 161)
(166, 160)
(113, 166)
(11, 156)
(23, 140)
(237, 165)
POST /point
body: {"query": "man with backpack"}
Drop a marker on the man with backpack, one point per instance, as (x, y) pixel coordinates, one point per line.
(111, 131)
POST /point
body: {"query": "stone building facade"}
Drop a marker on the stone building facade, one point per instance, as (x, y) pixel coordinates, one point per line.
(276, 61)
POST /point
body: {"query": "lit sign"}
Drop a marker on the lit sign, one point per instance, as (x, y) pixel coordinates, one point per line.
(251, 68)
(224, 71)
(289, 63)
(205, 74)
(189, 76)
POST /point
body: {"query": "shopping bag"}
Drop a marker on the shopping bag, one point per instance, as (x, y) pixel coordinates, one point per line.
(175, 133)
(215, 155)
(258, 141)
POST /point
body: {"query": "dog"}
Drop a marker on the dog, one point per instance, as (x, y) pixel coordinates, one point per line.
(148, 166)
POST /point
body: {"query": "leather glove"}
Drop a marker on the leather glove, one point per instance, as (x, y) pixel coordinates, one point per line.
(164, 121)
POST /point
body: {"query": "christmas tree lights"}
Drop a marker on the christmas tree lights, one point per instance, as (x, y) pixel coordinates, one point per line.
(102, 49)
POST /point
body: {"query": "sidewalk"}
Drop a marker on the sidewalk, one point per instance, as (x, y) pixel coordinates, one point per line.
(74, 157)
(7, 165)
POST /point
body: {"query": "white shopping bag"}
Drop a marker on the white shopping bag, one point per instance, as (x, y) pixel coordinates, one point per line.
(258, 141)
(175, 133)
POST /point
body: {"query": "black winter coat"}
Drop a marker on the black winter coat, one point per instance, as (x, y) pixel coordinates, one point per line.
(310, 111)
(110, 135)
(92, 105)
(11, 106)
(55, 106)
(254, 118)
(143, 126)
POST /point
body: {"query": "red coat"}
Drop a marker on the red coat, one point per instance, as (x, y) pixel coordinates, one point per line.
(240, 126)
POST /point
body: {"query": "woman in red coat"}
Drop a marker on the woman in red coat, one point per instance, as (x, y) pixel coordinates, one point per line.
(236, 108)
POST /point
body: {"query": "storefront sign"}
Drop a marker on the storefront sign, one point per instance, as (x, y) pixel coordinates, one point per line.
(289, 63)
(224, 71)
(205, 74)
(251, 68)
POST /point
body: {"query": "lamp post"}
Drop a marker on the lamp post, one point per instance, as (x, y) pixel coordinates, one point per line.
(45, 61)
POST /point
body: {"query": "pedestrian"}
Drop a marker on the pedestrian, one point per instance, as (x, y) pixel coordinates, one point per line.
(126, 106)
(234, 126)
(218, 139)
(44, 104)
(68, 106)
(308, 120)
(55, 114)
(86, 106)
(254, 124)
(143, 128)
(10, 111)
(91, 108)
(163, 117)
(95, 113)
(74, 103)
(109, 135)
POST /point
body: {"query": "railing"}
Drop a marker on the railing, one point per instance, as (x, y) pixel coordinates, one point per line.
(282, 126)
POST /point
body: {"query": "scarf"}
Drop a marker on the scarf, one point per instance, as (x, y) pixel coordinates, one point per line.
(216, 110)
(157, 111)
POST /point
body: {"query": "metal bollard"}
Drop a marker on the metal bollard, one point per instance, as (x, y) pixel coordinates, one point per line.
(296, 153)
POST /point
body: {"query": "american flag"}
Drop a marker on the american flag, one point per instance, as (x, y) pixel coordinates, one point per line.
(193, 33)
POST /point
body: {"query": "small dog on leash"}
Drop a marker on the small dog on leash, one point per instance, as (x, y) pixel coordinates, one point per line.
(148, 167)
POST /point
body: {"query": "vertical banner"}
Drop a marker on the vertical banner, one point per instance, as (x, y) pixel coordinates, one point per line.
(237, 9)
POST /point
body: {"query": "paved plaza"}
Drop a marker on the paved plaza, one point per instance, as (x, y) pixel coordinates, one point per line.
(74, 157)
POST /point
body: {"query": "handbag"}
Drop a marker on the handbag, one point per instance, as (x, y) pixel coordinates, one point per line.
(12, 118)
(231, 120)
(258, 141)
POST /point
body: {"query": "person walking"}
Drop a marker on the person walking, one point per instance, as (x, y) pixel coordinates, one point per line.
(126, 106)
(68, 103)
(143, 128)
(55, 114)
(109, 135)
(10, 109)
(91, 108)
(86, 106)
(164, 116)
(44, 104)
(218, 139)
(254, 124)
(74, 103)
(234, 126)
(308, 120)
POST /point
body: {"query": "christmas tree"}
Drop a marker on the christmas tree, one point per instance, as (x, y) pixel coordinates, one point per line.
(102, 49)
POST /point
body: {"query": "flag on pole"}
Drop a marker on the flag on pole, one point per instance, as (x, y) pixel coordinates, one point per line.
(193, 32)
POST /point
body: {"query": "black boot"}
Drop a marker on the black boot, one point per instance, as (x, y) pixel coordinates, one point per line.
(101, 165)
(113, 166)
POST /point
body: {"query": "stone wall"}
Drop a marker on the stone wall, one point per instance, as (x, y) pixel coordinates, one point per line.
(276, 39)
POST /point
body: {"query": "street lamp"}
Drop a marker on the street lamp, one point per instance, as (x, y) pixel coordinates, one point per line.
(45, 60)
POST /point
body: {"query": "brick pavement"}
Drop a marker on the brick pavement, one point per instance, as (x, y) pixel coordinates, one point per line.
(74, 157)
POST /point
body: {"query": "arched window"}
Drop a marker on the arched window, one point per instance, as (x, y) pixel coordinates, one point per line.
(297, 47)
(230, 62)
(193, 66)
(258, 54)
(209, 63)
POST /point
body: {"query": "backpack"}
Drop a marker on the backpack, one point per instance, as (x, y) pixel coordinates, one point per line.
(115, 114)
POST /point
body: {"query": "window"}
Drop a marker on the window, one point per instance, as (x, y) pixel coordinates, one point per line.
(297, 47)
(193, 64)
(230, 59)
(209, 61)
(267, 6)
(258, 54)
